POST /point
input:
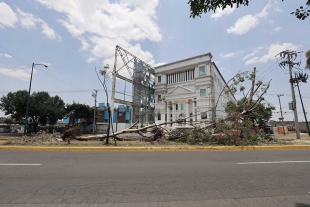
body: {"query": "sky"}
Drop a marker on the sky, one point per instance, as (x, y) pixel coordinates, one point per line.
(73, 37)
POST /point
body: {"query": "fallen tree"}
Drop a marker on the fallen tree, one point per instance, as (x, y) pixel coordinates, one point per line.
(235, 129)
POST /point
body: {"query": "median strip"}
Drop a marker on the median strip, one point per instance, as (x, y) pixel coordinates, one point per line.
(155, 148)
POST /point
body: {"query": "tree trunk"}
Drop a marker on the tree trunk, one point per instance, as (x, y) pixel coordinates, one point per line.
(109, 125)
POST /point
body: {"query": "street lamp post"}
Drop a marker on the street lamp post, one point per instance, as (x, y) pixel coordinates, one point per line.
(28, 99)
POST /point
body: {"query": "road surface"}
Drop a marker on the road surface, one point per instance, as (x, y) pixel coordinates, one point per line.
(115, 179)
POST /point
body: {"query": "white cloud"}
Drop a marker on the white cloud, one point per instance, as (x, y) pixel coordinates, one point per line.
(277, 29)
(273, 50)
(122, 23)
(252, 53)
(248, 22)
(220, 12)
(29, 21)
(85, 44)
(8, 17)
(91, 59)
(19, 73)
(230, 55)
(243, 25)
(5, 55)
(49, 32)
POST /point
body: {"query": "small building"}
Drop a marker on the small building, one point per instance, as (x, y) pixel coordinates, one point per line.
(189, 88)
(121, 114)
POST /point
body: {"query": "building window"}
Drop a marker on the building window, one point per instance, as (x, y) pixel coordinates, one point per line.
(159, 116)
(202, 70)
(182, 106)
(203, 92)
(159, 79)
(176, 107)
(159, 97)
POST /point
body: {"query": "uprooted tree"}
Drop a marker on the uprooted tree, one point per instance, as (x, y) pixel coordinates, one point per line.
(237, 128)
(245, 114)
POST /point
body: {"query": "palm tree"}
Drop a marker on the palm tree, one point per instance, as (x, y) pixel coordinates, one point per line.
(308, 59)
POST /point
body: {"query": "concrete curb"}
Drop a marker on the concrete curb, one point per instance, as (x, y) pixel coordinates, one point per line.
(172, 148)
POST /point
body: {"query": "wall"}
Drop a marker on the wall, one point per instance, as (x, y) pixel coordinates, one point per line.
(120, 126)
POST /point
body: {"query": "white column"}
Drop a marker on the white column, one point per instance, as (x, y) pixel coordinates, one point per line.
(194, 111)
(187, 111)
(168, 115)
(174, 113)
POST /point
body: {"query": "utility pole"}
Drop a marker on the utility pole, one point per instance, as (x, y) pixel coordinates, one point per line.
(281, 112)
(94, 94)
(302, 78)
(28, 98)
(289, 55)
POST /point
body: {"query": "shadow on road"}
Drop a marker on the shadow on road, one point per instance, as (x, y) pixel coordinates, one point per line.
(302, 205)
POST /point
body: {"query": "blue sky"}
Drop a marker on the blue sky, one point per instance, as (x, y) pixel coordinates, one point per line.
(74, 36)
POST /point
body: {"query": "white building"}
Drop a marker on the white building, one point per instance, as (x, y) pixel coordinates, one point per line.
(189, 88)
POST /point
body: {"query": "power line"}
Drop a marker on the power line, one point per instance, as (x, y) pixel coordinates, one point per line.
(14, 56)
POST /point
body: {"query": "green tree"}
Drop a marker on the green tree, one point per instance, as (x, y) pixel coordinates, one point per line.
(308, 59)
(261, 114)
(77, 111)
(43, 109)
(197, 7)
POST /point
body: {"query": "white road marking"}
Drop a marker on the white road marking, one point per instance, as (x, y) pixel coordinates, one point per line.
(18, 164)
(275, 162)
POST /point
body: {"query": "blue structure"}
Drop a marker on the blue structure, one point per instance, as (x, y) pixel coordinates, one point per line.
(66, 120)
(122, 114)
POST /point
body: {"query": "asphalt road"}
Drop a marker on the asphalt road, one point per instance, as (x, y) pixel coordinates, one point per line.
(115, 179)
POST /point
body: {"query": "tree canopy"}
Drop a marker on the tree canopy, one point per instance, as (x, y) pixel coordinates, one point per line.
(43, 109)
(197, 7)
(77, 111)
(262, 111)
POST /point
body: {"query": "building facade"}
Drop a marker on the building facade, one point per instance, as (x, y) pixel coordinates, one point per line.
(189, 89)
